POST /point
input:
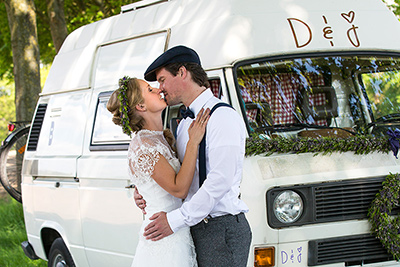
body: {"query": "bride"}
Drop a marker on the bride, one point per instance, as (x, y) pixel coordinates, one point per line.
(154, 167)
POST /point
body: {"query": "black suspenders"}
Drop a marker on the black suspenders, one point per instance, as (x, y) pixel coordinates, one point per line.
(202, 149)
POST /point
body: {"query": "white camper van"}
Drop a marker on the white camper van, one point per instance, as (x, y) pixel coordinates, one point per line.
(297, 71)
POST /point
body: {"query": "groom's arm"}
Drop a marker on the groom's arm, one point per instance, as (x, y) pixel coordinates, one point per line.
(224, 156)
(218, 183)
(200, 205)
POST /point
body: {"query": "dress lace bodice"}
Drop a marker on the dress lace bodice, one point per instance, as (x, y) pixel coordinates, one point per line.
(144, 152)
(176, 250)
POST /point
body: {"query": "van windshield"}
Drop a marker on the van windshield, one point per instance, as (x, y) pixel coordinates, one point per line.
(324, 95)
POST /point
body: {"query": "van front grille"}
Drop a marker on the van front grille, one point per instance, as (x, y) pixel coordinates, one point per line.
(345, 200)
(352, 250)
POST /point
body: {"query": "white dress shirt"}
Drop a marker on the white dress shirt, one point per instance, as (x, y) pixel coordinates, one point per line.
(225, 148)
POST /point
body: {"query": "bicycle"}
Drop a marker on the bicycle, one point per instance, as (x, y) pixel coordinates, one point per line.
(12, 153)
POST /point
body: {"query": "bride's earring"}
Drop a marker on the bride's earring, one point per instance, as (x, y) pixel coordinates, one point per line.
(141, 107)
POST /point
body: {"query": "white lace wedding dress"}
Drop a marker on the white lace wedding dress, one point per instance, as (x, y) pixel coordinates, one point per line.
(176, 250)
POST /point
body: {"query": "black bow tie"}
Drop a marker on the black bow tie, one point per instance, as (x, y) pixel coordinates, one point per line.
(187, 113)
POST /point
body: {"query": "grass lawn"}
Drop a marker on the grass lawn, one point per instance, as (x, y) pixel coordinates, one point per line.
(12, 234)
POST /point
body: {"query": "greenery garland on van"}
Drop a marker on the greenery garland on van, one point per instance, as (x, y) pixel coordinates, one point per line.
(258, 145)
(384, 226)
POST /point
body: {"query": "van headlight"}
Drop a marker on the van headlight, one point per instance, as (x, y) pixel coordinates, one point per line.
(288, 206)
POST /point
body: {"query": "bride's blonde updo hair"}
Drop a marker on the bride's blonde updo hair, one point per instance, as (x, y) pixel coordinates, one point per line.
(122, 105)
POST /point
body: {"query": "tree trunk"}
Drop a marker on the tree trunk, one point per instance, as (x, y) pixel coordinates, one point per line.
(58, 26)
(25, 48)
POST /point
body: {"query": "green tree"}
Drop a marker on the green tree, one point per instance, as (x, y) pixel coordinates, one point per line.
(77, 13)
(7, 108)
(25, 50)
(54, 18)
(58, 25)
(394, 5)
(5, 45)
(383, 90)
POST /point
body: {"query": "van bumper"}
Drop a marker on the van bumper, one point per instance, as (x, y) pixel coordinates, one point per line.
(28, 250)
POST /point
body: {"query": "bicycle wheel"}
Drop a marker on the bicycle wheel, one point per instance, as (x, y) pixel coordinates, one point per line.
(11, 158)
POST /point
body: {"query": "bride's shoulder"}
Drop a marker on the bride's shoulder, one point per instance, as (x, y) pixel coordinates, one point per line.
(145, 139)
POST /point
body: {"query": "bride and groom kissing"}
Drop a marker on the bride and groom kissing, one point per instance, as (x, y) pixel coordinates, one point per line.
(194, 215)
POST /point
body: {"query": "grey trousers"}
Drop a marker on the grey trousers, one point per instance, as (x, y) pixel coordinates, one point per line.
(222, 241)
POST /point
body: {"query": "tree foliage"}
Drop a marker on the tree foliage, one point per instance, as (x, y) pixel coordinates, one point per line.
(26, 59)
(383, 90)
(7, 107)
(5, 45)
(77, 13)
(394, 5)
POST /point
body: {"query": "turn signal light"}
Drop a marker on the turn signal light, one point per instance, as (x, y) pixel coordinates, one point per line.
(264, 257)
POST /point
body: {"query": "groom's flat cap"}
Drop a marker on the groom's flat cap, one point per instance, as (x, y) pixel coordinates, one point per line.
(177, 54)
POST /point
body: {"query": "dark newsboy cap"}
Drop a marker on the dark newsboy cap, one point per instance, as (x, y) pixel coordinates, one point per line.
(177, 54)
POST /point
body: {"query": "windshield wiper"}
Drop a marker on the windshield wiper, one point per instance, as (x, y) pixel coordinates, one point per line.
(384, 119)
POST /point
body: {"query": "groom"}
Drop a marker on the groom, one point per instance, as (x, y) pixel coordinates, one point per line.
(213, 209)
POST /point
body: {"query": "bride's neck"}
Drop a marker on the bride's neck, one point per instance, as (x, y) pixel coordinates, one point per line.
(153, 124)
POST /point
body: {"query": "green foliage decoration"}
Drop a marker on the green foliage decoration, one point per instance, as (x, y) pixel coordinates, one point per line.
(258, 145)
(124, 108)
(386, 227)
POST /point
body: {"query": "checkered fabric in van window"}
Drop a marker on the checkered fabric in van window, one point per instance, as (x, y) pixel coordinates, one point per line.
(280, 92)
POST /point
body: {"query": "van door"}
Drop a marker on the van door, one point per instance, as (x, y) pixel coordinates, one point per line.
(110, 219)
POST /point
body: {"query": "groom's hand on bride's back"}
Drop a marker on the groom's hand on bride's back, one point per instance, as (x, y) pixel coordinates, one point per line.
(158, 228)
(139, 200)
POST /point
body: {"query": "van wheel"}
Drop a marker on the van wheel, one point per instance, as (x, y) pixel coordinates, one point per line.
(59, 255)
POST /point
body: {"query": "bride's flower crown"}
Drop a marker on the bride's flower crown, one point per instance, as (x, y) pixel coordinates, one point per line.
(124, 105)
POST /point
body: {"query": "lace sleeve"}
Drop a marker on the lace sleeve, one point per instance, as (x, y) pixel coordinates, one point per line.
(143, 155)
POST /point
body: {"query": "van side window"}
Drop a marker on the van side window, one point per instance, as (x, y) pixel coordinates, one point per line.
(106, 135)
(215, 85)
(127, 57)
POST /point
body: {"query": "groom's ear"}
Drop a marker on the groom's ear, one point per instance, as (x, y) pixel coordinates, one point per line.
(182, 72)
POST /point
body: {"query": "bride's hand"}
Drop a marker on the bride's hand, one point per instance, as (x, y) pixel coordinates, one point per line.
(198, 126)
(139, 200)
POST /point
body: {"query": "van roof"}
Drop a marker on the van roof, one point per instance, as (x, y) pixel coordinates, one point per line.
(226, 31)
